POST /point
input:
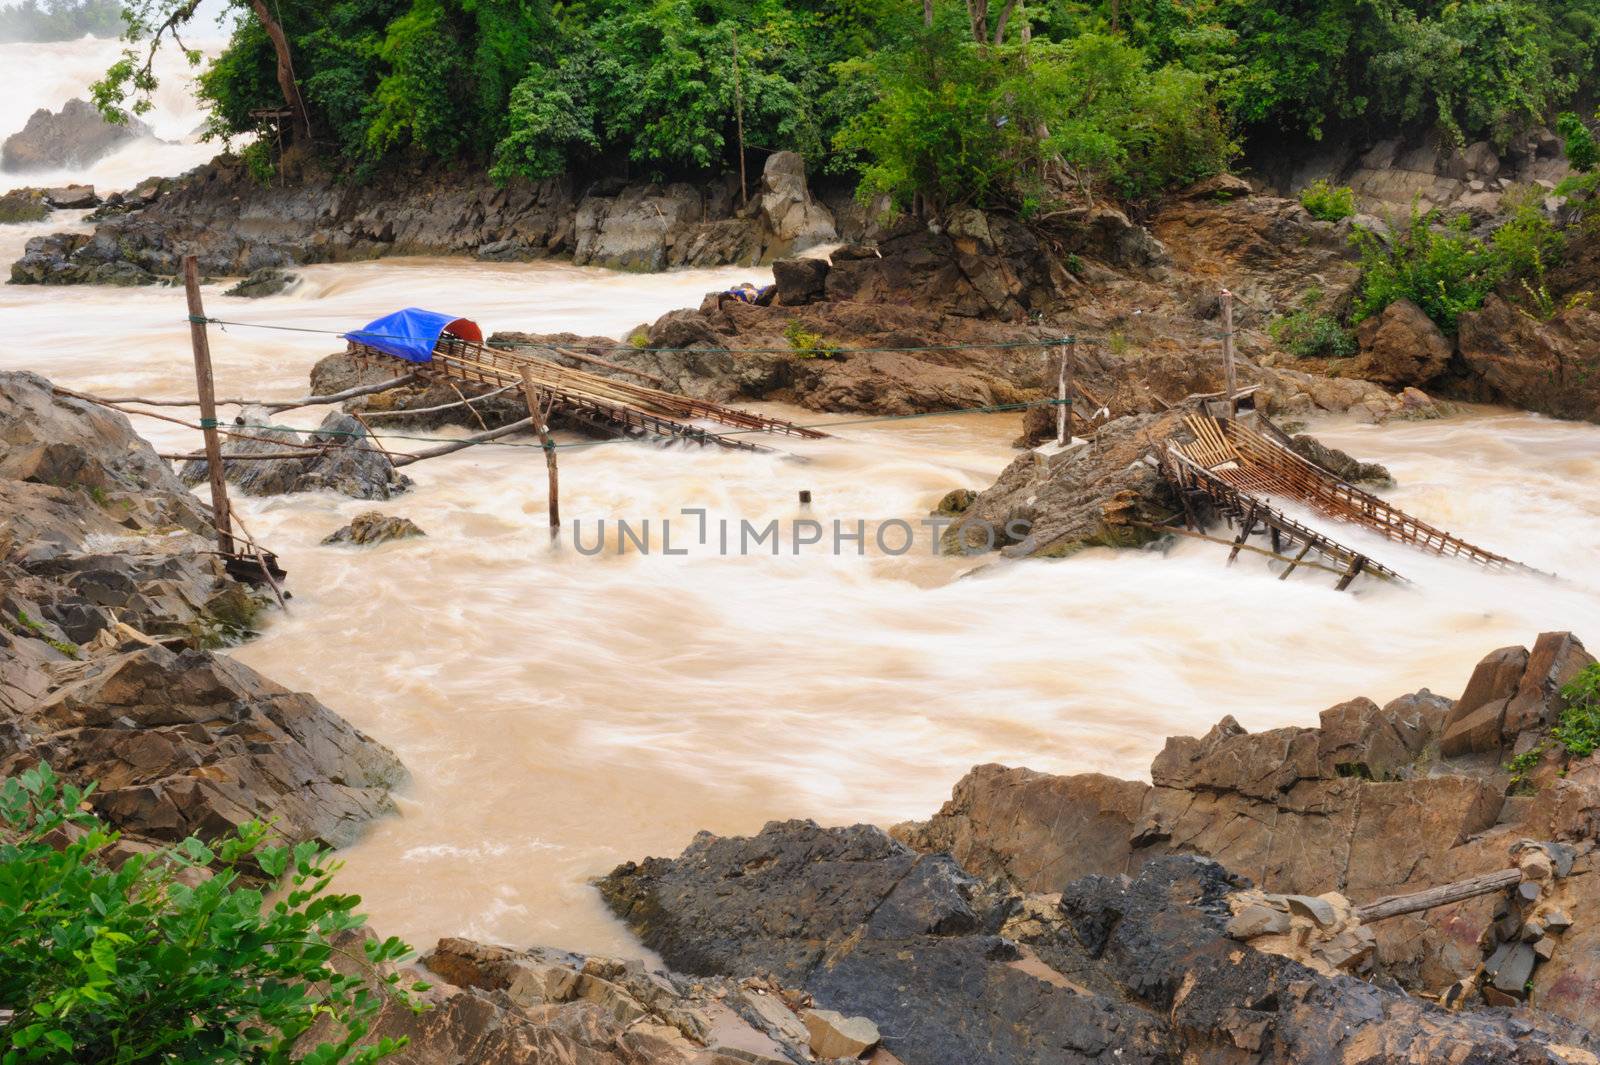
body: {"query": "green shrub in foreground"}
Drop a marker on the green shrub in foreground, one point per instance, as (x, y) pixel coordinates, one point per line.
(132, 964)
(1309, 336)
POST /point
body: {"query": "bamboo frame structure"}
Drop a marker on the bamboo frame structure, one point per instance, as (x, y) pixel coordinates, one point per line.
(1257, 465)
(620, 407)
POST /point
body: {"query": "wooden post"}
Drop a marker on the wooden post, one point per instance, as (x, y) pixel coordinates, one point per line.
(1064, 393)
(738, 112)
(221, 517)
(539, 408)
(1227, 353)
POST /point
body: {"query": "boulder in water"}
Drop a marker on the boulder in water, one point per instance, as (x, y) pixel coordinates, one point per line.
(349, 464)
(267, 281)
(72, 197)
(74, 136)
(374, 527)
(24, 205)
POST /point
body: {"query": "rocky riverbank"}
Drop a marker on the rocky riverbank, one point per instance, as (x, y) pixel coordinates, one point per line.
(111, 605)
(1211, 916)
(237, 226)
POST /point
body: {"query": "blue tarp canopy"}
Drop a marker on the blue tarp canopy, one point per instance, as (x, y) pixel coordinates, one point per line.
(411, 334)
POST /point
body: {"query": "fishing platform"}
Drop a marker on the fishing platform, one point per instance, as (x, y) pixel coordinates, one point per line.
(438, 346)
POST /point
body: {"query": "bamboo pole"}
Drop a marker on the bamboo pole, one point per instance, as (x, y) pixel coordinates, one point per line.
(539, 407)
(206, 388)
(466, 442)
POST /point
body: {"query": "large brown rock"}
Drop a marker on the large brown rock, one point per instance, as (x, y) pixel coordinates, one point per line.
(1545, 366)
(197, 743)
(1401, 347)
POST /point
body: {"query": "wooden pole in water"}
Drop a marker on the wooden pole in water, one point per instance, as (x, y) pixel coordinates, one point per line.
(738, 111)
(539, 409)
(207, 389)
(1227, 353)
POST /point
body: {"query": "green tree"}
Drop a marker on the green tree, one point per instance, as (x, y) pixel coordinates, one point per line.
(172, 956)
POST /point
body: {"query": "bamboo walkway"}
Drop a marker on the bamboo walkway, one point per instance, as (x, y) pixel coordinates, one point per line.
(1238, 470)
(602, 403)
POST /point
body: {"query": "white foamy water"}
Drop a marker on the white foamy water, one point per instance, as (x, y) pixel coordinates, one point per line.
(48, 75)
(560, 714)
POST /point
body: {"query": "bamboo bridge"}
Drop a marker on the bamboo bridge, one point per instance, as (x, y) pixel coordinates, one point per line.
(1238, 473)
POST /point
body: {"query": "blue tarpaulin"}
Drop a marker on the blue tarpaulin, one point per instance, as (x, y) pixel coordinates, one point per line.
(412, 333)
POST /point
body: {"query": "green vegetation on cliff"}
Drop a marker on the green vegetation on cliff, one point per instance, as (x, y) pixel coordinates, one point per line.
(59, 20)
(957, 102)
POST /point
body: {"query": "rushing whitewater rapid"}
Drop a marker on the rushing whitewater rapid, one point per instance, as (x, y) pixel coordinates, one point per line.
(562, 713)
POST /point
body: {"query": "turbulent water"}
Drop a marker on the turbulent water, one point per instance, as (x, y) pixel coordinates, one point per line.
(562, 713)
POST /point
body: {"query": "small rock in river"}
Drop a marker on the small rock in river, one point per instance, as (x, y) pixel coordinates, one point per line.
(374, 527)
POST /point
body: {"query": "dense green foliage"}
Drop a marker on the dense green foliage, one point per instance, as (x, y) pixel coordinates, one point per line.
(1579, 144)
(60, 20)
(1307, 335)
(988, 103)
(1446, 270)
(154, 961)
(1326, 202)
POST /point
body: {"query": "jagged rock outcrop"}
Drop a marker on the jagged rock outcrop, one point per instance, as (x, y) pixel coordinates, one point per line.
(237, 226)
(952, 971)
(339, 457)
(374, 527)
(24, 205)
(1373, 802)
(492, 1004)
(72, 137)
(109, 596)
(1545, 366)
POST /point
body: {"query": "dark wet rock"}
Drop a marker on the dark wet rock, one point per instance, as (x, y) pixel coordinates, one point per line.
(72, 137)
(24, 205)
(338, 457)
(1342, 465)
(800, 281)
(952, 971)
(267, 281)
(235, 225)
(374, 527)
(72, 197)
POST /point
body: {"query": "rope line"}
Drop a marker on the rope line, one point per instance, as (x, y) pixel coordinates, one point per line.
(1045, 342)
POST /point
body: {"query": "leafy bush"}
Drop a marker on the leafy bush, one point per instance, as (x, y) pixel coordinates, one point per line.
(1328, 203)
(154, 961)
(1307, 336)
(807, 344)
(1579, 730)
(1581, 148)
(1441, 268)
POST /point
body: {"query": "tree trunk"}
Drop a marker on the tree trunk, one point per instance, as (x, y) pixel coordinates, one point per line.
(1005, 17)
(286, 80)
(927, 14)
(978, 15)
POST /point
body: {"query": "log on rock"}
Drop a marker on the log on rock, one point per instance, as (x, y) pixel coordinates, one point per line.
(1443, 895)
